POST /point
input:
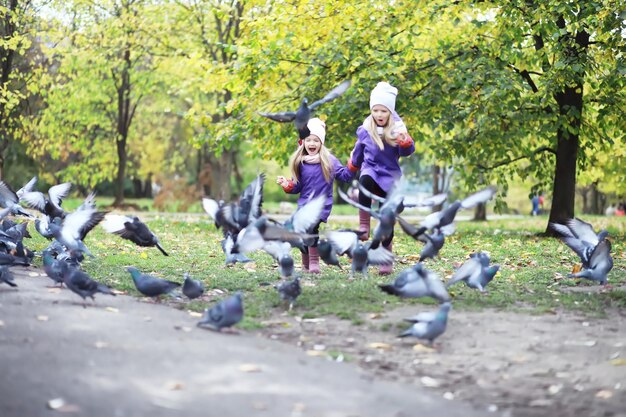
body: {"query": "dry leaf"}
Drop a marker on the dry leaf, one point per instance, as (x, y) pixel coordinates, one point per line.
(316, 353)
(176, 386)
(379, 345)
(605, 394)
(375, 316)
(577, 268)
(100, 345)
(318, 320)
(555, 389)
(618, 362)
(429, 382)
(54, 290)
(422, 348)
(183, 328)
(143, 255)
(42, 318)
(112, 309)
(34, 274)
(195, 314)
(56, 403)
(249, 367)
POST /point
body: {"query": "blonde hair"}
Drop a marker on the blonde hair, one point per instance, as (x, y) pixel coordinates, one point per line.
(296, 159)
(388, 135)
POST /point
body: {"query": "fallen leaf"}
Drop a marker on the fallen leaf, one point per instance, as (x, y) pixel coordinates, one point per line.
(379, 345)
(42, 318)
(577, 268)
(555, 389)
(249, 367)
(112, 309)
(54, 290)
(429, 382)
(176, 386)
(195, 314)
(143, 255)
(56, 403)
(316, 353)
(605, 394)
(318, 320)
(34, 274)
(422, 348)
(618, 362)
(375, 316)
(319, 347)
(183, 328)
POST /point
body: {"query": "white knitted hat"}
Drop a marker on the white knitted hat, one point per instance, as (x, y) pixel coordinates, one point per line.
(317, 127)
(385, 94)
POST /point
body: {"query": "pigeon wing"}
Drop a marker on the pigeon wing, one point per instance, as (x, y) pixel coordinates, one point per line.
(280, 117)
(471, 267)
(308, 215)
(58, 192)
(481, 196)
(28, 187)
(332, 94)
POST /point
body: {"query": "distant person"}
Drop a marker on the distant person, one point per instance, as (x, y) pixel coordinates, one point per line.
(540, 203)
(535, 203)
(620, 209)
(610, 210)
(313, 170)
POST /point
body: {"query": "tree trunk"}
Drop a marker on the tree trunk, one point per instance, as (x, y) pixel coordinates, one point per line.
(147, 188)
(596, 206)
(564, 187)
(221, 171)
(480, 213)
(121, 172)
(438, 184)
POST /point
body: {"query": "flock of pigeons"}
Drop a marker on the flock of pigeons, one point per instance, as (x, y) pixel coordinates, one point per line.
(247, 229)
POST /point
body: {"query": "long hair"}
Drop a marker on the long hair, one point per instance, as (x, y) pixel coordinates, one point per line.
(371, 127)
(296, 159)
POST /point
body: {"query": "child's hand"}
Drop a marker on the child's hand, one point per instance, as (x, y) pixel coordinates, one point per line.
(282, 181)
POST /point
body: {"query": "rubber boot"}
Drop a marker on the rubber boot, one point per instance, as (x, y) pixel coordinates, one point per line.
(314, 260)
(364, 224)
(387, 268)
(305, 262)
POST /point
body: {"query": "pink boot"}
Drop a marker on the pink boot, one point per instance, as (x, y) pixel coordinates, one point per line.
(305, 262)
(314, 260)
(364, 224)
(388, 268)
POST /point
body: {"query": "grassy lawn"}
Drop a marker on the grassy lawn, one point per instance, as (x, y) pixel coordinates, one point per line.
(532, 274)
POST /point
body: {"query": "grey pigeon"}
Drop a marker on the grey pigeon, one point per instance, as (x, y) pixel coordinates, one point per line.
(75, 227)
(328, 253)
(133, 229)
(417, 282)
(475, 272)
(10, 200)
(53, 267)
(281, 252)
(27, 187)
(192, 288)
(594, 250)
(362, 254)
(151, 286)
(227, 247)
(289, 290)
(50, 205)
(429, 326)
(226, 313)
(301, 116)
(445, 217)
(6, 276)
(82, 284)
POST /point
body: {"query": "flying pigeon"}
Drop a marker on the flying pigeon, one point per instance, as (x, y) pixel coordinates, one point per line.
(289, 290)
(75, 227)
(476, 272)
(151, 286)
(133, 229)
(593, 249)
(301, 116)
(49, 205)
(417, 282)
(429, 326)
(226, 313)
(192, 288)
(281, 252)
(10, 200)
(362, 253)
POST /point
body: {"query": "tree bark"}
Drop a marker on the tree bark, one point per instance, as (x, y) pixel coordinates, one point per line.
(221, 171)
(564, 187)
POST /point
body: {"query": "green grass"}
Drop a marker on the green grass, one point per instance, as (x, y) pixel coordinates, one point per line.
(529, 278)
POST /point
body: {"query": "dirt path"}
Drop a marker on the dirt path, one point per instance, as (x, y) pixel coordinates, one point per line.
(125, 357)
(512, 364)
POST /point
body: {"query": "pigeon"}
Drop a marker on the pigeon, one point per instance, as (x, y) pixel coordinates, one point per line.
(53, 267)
(475, 272)
(281, 252)
(192, 288)
(433, 243)
(10, 200)
(6, 276)
(362, 254)
(50, 205)
(444, 219)
(593, 253)
(417, 282)
(82, 284)
(75, 227)
(227, 247)
(289, 290)
(429, 326)
(133, 229)
(151, 286)
(328, 253)
(226, 313)
(27, 187)
(301, 116)
(386, 214)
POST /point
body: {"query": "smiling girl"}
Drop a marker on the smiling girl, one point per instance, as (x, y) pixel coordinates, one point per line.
(313, 171)
(381, 140)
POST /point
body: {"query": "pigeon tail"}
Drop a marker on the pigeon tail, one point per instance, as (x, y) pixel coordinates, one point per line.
(162, 250)
(389, 289)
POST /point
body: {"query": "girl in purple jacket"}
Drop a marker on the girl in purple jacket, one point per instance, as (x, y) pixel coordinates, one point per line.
(314, 169)
(381, 141)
